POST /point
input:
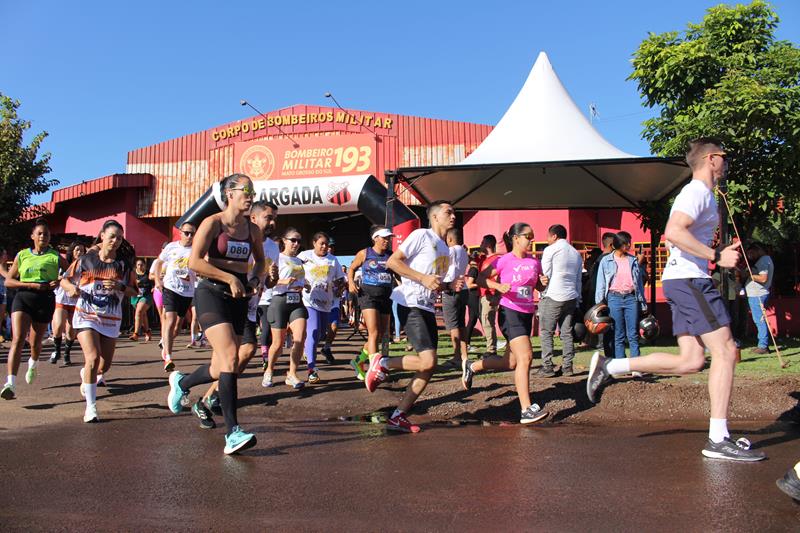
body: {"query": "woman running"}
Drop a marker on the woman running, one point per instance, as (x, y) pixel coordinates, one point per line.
(158, 295)
(518, 275)
(34, 275)
(3, 299)
(374, 293)
(286, 310)
(324, 277)
(65, 306)
(101, 279)
(142, 302)
(221, 255)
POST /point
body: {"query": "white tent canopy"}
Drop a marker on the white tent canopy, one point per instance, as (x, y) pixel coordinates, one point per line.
(544, 153)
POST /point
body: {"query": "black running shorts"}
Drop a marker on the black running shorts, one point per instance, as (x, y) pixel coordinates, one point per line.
(39, 305)
(175, 303)
(514, 324)
(378, 298)
(214, 306)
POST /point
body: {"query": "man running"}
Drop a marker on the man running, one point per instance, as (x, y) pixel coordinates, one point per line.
(699, 316)
(422, 261)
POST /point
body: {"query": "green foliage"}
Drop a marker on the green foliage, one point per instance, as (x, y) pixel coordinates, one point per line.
(728, 77)
(22, 175)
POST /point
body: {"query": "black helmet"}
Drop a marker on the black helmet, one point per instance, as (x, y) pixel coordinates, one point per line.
(597, 320)
(578, 331)
(649, 328)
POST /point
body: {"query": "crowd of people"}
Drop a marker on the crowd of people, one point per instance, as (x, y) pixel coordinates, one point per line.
(237, 276)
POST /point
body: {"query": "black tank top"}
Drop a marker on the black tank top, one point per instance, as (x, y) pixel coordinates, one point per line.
(226, 247)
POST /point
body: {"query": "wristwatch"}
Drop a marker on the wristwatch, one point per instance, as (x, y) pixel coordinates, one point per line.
(717, 255)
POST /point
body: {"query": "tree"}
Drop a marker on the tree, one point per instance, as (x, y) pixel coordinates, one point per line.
(728, 77)
(22, 174)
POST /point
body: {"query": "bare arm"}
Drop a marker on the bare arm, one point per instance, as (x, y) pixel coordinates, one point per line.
(485, 280)
(397, 263)
(12, 281)
(260, 266)
(677, 232)
(156, 275)
(198, 263)
(358, 260)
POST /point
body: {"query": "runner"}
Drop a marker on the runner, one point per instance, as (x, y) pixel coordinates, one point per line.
(142, 302)
(158, 296)
(286, 310)
(518, 275)
(62, 317)
(34, 275)
(335, 314)
(324, 278)
(221, 255)
(100, 280)
(454, 303)
(374, 293)
(3, 299)
(422, 261)
(177, 288)
(263, 215)
(699, 317)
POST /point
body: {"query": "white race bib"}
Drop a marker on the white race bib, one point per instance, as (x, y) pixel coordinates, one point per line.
(292, 297)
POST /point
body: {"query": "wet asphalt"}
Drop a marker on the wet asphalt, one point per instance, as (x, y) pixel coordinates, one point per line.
(143, 469)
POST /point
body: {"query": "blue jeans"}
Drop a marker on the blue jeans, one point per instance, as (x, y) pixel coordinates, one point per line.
(759, 318)
(624, 311)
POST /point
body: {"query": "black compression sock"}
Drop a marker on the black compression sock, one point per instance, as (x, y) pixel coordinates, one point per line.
(68, 348)
(198, 377)
(228, 396)
(57, 342)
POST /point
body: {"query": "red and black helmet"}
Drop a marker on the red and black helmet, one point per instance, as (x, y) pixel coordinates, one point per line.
(648, 328)
(597, 320)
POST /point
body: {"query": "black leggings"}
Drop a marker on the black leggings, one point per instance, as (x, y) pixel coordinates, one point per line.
(474, 310)
(266, 332)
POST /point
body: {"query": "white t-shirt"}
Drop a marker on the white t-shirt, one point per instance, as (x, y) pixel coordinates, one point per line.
(428, 254)
(459, 261)
(290, 267)
(179, 278)
(697, 201)
(271, 256)
(321, 272)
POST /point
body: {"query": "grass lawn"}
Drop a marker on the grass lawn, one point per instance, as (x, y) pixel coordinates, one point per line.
(752, 365)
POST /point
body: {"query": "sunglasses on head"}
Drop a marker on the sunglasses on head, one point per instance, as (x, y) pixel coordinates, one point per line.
(292, 239)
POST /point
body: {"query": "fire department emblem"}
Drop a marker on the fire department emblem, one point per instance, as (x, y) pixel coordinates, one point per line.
(338, 193)
(257, 162)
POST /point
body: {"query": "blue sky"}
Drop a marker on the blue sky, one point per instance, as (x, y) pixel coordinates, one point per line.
(106, 78)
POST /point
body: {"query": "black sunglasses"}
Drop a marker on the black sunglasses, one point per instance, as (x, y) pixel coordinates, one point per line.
(187, 233)
(292, 239)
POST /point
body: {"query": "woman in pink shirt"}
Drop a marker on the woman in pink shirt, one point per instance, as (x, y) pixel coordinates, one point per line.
(518, 275)
(620, 283)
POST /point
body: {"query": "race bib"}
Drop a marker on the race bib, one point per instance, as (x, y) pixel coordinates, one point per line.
(384, 277)
(238, 250)
(525, 293)
(292, 297)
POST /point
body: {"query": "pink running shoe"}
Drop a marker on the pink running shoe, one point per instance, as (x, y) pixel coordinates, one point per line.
(401, 423)
(375, 375)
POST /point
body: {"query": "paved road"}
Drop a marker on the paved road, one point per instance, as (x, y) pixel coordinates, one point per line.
(144, 469)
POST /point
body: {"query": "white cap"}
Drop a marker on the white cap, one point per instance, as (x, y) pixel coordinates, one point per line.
(382, 233)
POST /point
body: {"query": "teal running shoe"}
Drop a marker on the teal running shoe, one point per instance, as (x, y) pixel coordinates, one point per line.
(238, 441)
(176, 393)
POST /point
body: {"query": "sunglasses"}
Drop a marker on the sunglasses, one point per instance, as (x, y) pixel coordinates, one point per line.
(294, 240)
(528, 236)
(187, 233)
(247, 191)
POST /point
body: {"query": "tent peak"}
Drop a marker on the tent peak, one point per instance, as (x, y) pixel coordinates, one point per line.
(543, 124)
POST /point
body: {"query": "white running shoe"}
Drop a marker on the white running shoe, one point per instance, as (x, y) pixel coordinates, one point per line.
(267, 381)
(90, 416)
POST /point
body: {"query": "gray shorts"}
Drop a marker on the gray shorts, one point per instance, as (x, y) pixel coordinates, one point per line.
(454, 309)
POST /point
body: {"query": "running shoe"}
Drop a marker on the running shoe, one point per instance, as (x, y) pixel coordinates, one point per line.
(202, 412)
(401, 423)
(8, 392)
(193, 344)
(732, 451)
(532, 414)
(376, 374)
(101, 380)
(267, 380)
(186, 402)
(203, 343)
(790, 483)
(313, 377)
(30, 375)
(238, 441)
(501, 345)
(67, 361)
(90, 416)
(329, 358)
(176, 393)
(295, 383)
(357, 368)
(467, 374)
(597, 375)
(169, 366)
(53, 358)
(212, 402)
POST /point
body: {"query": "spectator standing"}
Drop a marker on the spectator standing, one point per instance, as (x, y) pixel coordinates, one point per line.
(562, 266)
(489, 297)
(757, 290)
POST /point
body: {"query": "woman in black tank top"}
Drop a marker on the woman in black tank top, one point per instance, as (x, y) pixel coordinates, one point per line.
(220, 256)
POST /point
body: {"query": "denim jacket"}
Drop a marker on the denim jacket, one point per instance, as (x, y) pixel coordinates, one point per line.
(608, 269)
